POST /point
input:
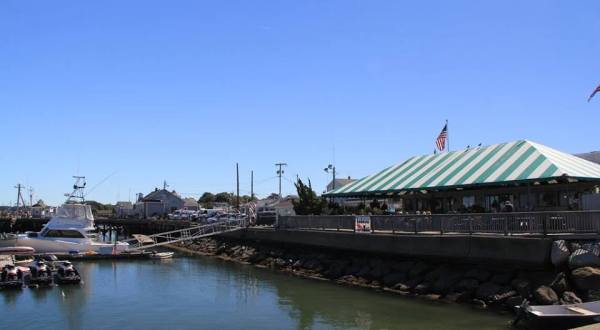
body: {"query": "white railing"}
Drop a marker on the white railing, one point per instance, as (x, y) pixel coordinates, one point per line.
(189, 233)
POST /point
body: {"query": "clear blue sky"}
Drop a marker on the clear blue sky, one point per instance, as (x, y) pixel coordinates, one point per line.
(182, 90)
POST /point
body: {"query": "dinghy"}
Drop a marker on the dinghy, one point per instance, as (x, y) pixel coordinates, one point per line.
(560, 316)
(161, 255)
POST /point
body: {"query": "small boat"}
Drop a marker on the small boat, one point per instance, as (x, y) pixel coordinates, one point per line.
(11, 277)
(559, 316)
(40, 273)
(66, 273)
(161, 255)
(17, 250)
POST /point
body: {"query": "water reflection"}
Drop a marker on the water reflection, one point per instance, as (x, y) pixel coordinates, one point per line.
(10, 296)
(212, 294)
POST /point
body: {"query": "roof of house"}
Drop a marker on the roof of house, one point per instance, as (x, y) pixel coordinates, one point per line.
(593, 156)
(156, 194)
(190, 202)
(340, 182)
(516, 161)
(124, 205)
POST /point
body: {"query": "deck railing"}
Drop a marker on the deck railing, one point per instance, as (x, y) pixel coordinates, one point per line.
(544, 223)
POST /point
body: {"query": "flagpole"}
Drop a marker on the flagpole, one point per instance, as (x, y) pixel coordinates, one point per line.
(447, 136)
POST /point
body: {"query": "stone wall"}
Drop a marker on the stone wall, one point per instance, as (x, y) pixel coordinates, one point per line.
(477, 284)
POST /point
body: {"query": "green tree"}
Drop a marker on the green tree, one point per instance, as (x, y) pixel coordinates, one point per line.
(207, 198)
(308, 202)
(223, 197)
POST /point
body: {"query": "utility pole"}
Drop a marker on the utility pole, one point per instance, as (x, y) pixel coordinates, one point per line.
(30, 197)
(237, 174)
(279, 174)
(331, 168)
(251, 185)
(20, 200)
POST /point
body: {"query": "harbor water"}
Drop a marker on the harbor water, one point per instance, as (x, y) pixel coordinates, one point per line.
(206, 293)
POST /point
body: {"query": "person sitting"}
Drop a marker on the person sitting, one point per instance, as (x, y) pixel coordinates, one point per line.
(508, 206)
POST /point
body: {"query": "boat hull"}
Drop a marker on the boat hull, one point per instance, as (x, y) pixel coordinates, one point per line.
(44, 245)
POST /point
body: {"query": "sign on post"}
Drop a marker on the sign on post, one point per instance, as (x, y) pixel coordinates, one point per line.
(362, 224)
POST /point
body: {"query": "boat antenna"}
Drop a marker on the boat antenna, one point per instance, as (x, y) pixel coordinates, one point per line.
(77, 196)
(99, 183)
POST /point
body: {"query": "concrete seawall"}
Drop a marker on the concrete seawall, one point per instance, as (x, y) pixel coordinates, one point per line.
(493, 250)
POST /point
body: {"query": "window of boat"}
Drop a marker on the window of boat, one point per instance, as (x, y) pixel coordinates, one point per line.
(64, 234)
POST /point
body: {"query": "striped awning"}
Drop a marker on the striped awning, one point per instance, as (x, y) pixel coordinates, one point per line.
(496, 164)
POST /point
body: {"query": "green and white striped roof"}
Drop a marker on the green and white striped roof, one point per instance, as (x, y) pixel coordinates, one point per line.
(496, 164)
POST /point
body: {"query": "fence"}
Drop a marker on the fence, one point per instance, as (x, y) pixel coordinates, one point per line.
(573, 222)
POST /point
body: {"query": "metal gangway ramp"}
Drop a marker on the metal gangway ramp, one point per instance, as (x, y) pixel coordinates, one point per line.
(190, 233)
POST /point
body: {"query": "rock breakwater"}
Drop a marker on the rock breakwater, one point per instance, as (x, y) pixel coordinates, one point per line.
(499, 287)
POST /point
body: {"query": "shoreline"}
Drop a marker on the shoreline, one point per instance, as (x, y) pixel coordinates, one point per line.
(498, 290)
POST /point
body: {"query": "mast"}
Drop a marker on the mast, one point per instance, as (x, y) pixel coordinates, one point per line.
(77, 196)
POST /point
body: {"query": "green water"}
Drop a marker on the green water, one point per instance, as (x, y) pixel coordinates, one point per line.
(204, 293)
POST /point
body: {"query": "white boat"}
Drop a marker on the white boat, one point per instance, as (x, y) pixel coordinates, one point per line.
(71, 230)
(161, 255)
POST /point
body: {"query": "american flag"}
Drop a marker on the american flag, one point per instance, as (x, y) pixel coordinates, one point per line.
(441, 139)
(594, 93)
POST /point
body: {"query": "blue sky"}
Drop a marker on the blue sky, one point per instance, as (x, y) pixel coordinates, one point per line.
(182, 90)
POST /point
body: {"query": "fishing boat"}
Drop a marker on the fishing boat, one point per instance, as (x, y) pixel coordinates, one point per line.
(71, 230)
(559, 316)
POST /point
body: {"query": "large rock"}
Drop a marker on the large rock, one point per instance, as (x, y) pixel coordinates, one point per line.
(522, 286)
(560, 253)
(502, 278)
(560, 284)
(467, 285)
(503, 295)
(363, 271)
(402, 267)
(583, 258)
(445, 281)
(569, 298)
(419, 269)
(514, 301)
(592, 295)
(335, 270)
(544, 295)
(433, 275)
(487, 290)
(401, 287)
(412, 283)
(422, 288)
(392, 279)
(586, 278)
(480, 275)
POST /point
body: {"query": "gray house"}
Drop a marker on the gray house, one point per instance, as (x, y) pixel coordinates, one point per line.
(158, 203)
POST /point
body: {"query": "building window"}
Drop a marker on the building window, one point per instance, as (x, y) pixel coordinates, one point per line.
(495, 203)
(548, 199)
(64, 234)
(468, 201)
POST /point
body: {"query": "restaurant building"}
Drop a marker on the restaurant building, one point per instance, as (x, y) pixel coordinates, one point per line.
(513, 176)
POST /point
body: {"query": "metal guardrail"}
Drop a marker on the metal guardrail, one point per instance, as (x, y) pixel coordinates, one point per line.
(189, 233)
(572, 222)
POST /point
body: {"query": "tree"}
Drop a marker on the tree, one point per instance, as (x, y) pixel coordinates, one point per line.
(308, 202)
(223, 197)
(207, 198)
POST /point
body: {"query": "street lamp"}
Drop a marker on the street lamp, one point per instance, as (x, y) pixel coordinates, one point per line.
(331, 168)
